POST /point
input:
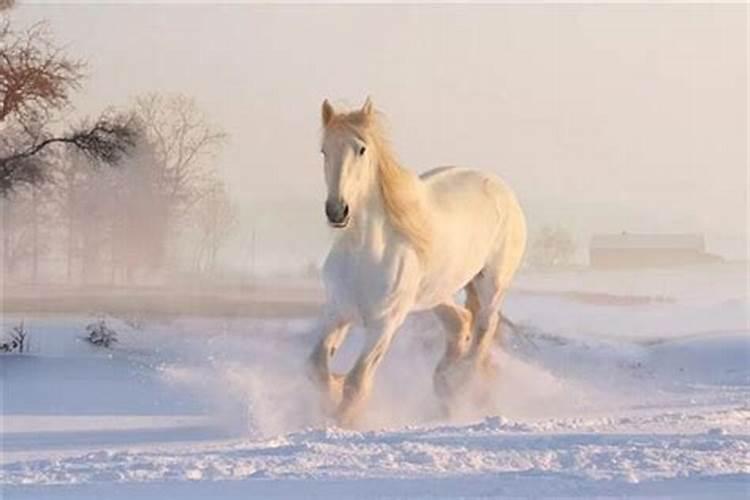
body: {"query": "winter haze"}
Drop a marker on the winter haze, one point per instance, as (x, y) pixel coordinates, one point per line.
(603, 118)
(162, 226)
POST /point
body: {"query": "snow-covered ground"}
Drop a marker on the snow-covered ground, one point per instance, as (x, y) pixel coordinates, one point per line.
(625, 384)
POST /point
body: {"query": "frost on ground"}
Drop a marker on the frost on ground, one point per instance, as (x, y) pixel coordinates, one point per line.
(599, 396)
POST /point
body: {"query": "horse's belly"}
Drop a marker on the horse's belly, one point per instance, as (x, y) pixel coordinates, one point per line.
(448, 276)
(460, 254)
(433, 295)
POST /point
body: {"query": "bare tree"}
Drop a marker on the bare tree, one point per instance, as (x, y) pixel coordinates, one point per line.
(139, 224)
(112, 219)
(107, 141)
(17, 233)
(184, 141)
(36, 77)
(69, 178)
(27, 224)
(132, 228)
(36, 82)
(552, 246)
(215, 220)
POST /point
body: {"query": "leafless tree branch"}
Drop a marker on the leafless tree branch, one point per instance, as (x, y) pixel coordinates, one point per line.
(36, 77)
(107, 140)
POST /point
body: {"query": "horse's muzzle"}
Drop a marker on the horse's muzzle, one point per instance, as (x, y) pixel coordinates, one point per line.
(337, 212)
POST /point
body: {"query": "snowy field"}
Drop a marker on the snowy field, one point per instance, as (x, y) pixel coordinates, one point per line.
(622, 384)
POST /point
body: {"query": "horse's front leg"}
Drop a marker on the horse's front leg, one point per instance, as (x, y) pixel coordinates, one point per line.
(334, 332)
(358, 382)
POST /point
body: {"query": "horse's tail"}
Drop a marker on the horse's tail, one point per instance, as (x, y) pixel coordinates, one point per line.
(519, 331)
(507, 322)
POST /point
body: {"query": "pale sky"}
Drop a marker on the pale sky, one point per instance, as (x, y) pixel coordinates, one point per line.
(601, 117)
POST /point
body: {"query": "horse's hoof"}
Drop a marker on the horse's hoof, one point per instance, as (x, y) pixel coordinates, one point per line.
(447, 409)
(451, 379)
(331, 388)
(489, 369)
(344, 417)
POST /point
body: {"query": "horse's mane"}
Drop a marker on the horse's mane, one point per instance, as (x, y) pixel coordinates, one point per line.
(399, 187)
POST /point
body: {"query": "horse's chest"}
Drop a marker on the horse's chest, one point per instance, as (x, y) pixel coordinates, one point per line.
(364, 283)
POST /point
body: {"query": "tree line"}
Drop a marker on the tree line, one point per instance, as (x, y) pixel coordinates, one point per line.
(111, 198)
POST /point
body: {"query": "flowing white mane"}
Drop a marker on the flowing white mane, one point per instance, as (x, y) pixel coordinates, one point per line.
(399, 187)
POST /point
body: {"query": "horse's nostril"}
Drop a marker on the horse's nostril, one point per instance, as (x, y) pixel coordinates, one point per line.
(337, 211)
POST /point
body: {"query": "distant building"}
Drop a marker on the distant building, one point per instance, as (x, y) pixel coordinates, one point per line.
(627, 250)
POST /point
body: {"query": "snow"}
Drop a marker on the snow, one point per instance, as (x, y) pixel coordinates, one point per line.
(620, 385)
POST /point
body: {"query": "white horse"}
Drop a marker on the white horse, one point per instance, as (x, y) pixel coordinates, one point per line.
(404, 243)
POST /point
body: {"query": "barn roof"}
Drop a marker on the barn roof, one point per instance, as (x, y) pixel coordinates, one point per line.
(648, 241)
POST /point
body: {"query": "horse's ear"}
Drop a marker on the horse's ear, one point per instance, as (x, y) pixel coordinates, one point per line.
(327, 112)
(367, 107)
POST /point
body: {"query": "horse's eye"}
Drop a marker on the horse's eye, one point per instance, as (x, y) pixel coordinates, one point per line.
(362, 150)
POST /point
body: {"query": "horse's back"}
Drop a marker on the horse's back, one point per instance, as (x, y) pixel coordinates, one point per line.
(450, 175)
(449, 185)
(437, 171)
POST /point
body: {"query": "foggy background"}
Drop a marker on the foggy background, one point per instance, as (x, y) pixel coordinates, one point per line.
(602, 118)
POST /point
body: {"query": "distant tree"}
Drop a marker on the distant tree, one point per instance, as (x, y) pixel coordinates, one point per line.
(183, 141)
(26, 229)
(552, 246)
(110, 218)
(138, 216)
(215, 219)
(70, 178)
(127, 218)
(18, 232)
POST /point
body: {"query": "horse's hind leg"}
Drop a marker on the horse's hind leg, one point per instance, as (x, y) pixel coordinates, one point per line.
(492, 282)
(447, 378)
(491, 285)
(490, 292)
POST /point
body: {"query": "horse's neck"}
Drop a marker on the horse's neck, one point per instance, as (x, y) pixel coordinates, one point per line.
(372, 227)
(370, 224)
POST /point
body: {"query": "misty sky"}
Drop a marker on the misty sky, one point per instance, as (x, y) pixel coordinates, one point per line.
(602, 118)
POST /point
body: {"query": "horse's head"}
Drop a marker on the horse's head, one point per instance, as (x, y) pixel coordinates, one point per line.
(349, 161)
